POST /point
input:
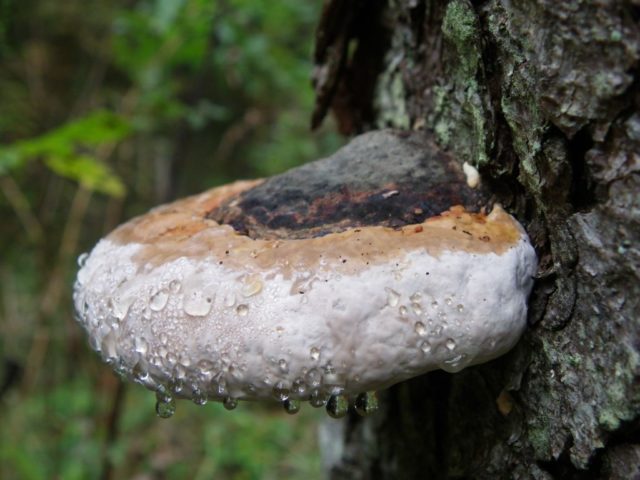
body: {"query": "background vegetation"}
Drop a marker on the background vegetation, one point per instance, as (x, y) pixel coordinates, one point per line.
(108, 107)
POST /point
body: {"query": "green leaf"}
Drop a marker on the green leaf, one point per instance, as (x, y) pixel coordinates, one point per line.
(89, 172)
(59, 150)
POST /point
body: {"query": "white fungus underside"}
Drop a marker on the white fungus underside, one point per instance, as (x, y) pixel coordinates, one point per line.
(221, 333)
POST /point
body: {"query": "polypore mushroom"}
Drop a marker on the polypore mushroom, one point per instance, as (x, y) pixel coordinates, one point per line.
(338, 278)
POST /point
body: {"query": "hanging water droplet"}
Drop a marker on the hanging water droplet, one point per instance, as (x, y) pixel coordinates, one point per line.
(450, 343)
(141, 346)
(448, 301)
(417, 308)
(242, 310)
(291, 406)
(420, 328)
(313, 378)
(230, 403)
(393, 297)
(416, 297)
(108, 346)
(82, 259)
(179, 371)
(460, 307)
(221, 388)
(284, 367)
(199, 397)
(197, 303)
(453, 365)
(299, 387)
(163, 394)
(206, 366)
(139, 373)
(280, 391)
(252, 285)
(119, 305)
(434, 304)
(175, 286)
(165, 409)
(315, 353)
(337, 406)
(317, 400)
(159, 300)
(176, 385)
(366, 403)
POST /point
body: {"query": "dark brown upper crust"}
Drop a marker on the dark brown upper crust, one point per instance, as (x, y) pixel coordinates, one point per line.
(384, 178)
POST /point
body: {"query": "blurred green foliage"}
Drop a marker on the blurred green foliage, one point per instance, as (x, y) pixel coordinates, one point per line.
(108, 107)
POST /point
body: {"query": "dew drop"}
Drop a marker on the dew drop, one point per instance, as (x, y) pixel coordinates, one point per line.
(420, 328)
(448, 301)
(159, 300)
(280, 391)
(453, 365)
(417, 308)
(403, 311)
(460, 307)
(199, 397)
(315, 353)
(82, 259)
(282, 364)
(180, 371)
(229, 300)
(108, 346)
(317, 400)
(425, 347)
(416, 297)
(230, 403)
(313, 378)
(291, 406)
(139, 373)
(165, 408)
(299, 387)
(176, 385)
(450, 343)
(393, 297)
(366, 403)
(242, 310)
(437, 331)
(337, 406)
(197, 303)
(252, 285)
(141, 346)
(119, 305)
(206, 366)
(221, 389)
(162, 393)
(175, 286)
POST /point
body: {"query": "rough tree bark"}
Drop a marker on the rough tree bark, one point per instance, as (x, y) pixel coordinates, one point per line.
(544, 98)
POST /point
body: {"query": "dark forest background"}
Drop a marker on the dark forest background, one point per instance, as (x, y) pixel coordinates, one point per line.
(108, 108)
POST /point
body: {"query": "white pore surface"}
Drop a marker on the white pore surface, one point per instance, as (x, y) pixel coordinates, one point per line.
(203, 329)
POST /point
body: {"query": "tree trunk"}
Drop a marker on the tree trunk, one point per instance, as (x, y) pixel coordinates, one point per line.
(543, 97)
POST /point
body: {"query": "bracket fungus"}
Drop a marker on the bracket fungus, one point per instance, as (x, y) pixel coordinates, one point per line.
(323, 284)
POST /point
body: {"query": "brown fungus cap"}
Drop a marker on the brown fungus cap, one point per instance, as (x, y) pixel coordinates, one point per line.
(343, 276)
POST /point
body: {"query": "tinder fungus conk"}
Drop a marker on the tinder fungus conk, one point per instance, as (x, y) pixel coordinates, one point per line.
(335, 279)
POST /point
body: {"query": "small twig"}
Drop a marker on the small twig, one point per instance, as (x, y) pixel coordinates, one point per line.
(20, 205)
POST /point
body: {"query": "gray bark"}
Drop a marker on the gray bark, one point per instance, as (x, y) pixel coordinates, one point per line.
(544, 98)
